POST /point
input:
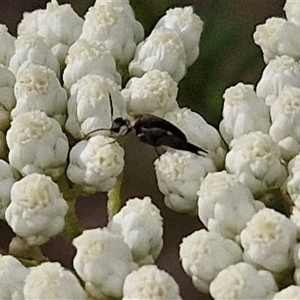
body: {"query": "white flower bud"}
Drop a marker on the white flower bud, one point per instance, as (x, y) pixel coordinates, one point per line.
(89, 106)
(149, 282)
(32, 49)
(96, 163)
(291, 292)
(8, 176)
(256, 160)
(7, 45)
(225, 205)
(162, 50)
(111, 26)
(37, 88)
(89, 58)
(188, 26)
(179, 175)
(59, 25)
(51, 281)
(204, 254)
(296, 259)
(199, 133)
(37, 144)
(292, 11)
(243, 112)
(293, 180)
(7, 99)
(12, 277)
(295, 218)
(243, 281)
(268, 239)
(124, 6)
(278, 37)
(285, 114)
(281, 71)
(37, 210)
(140, 225)
(102, 261)
(154, 93)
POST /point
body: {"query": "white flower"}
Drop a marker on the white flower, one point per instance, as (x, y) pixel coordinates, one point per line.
(89, 106)
(243, 112)
(243, 281)
(124, 6)
(149, 282)
(8, 176)
(199, 133)
(89, 58)
(256, 161)
(296, 259)
(37, 88)
(188, 26)
(225, 205)
(7, 45)
(7, 99)
(59, 25)
(154, 93)
(37, 210)
(140, 225)
(281, 71)
(179, 175)
(96, 163)
(32, 49)
(291, 292)
(37, 145)
(162, 50)
(292, 11)
(268, 239)
(293, 180)
(51, 281)
(102, 261)
(112, 26)
(204, 254)
(278, 37)
(12, 277)
(285, 114)
(295, 217)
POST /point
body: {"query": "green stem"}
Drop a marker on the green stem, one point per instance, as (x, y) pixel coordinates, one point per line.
(114, 198)
(70, 193)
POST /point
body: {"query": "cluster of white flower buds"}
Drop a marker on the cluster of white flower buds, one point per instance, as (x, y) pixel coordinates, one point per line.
(61, 83)
(65, 80)
(249, 250)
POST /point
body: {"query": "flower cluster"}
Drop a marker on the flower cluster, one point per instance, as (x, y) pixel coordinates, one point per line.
(65, 81)
(61, 82)
(249, 250)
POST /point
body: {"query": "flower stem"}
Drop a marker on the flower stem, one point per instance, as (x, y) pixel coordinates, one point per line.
(114, 199)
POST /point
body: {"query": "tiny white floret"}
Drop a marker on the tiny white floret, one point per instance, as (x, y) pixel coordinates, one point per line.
(37, 209)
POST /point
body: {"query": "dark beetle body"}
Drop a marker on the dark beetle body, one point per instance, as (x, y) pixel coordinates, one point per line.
(155, 131)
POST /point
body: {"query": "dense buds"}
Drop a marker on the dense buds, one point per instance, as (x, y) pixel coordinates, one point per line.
(37, 210)
(140, 225)
(95, 164)
(154, 93)
(37, 145)
(103, 260)
(148, 282)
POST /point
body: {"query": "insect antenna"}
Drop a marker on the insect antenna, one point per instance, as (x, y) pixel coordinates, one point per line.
(111, 115)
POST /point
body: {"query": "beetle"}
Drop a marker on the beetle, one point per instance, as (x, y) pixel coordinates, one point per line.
(154, 131)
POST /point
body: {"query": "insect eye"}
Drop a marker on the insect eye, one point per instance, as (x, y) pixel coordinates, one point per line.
(117, 124)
